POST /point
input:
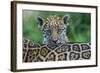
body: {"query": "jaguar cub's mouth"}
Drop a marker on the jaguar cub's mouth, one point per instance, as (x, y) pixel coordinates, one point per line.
(54, 42)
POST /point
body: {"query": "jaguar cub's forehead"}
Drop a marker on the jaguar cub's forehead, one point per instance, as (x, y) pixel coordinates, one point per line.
(54, 22)
(51, 18)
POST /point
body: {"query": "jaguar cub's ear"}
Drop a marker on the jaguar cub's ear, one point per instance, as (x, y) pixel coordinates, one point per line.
(39, 20)
(65, 19)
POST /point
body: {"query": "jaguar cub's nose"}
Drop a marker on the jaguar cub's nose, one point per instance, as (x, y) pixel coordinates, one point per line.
(55, 41)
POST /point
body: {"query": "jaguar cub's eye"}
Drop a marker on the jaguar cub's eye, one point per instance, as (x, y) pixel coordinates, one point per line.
(60, 30)
(48, 31)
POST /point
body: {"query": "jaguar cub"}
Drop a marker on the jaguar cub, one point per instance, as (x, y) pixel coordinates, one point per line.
(54, 29)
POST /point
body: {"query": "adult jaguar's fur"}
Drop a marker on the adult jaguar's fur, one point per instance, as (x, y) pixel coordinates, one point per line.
(54, 29)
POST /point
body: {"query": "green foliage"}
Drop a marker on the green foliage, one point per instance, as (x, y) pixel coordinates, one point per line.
(78, 30)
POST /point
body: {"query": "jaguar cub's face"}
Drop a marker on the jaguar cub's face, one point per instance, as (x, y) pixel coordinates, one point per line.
(53, 29)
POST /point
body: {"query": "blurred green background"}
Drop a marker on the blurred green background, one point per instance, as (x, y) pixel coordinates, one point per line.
(78, 30)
